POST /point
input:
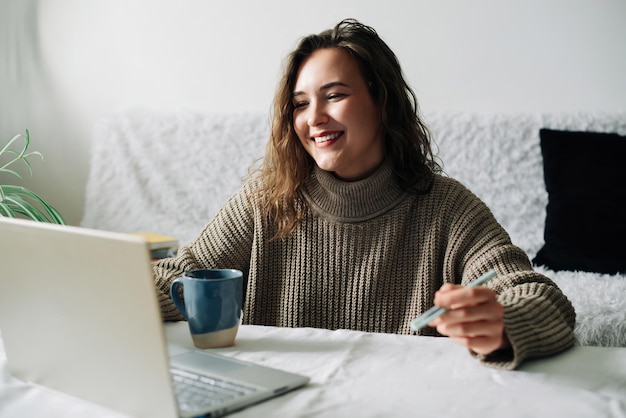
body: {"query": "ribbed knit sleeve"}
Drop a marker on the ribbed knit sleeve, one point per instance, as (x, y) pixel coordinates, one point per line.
(539, 319)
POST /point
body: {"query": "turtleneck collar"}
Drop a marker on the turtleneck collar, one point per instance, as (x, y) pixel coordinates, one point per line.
(355, 201)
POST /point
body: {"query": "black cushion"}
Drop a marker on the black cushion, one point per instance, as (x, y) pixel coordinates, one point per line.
(585, 177)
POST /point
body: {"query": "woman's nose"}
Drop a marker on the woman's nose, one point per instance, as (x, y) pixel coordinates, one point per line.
(317, 115)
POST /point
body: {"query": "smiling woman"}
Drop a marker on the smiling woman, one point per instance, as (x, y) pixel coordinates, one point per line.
(349, 224)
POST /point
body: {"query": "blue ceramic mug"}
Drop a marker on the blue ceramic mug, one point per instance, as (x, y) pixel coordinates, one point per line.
(211, 302)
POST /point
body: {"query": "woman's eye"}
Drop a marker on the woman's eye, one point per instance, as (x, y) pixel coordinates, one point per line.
(299, 105)
(335, 96)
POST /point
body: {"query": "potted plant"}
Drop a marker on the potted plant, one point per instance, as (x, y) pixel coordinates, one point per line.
(18, 201)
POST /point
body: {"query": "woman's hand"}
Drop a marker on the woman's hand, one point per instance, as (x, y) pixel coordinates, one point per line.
(474, 318)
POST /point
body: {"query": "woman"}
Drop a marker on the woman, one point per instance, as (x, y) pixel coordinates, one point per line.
(349, 223)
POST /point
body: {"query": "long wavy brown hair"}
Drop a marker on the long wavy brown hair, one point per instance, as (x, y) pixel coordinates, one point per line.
(287, 165)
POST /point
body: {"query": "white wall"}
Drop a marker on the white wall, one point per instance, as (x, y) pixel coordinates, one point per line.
(68, 63)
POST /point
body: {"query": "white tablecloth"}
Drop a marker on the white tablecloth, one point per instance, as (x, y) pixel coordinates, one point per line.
(382, 375)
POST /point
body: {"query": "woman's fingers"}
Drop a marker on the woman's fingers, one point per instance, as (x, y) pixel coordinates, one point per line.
(474, 317)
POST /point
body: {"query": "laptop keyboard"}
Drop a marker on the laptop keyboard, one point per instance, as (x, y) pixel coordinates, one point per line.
(195, 391)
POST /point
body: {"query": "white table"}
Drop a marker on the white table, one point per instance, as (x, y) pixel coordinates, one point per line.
(355, 374)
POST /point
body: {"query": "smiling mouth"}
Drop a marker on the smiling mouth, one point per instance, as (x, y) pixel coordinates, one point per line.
(326, 138)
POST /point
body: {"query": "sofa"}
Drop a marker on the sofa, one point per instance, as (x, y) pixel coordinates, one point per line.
(170, 171)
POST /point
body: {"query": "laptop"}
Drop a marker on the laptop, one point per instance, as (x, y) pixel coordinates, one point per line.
(79, 314)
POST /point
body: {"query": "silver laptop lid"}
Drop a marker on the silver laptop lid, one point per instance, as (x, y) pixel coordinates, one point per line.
(78, 313)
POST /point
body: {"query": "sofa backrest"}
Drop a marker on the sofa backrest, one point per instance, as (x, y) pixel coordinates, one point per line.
(169, 172)
(498, 157)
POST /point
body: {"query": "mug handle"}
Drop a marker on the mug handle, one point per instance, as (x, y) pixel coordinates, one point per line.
(175, 295)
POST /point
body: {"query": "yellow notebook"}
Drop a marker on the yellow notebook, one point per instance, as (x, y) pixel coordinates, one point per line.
(158, 241)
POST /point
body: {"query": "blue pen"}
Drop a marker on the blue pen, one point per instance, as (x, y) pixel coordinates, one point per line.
(435, 312)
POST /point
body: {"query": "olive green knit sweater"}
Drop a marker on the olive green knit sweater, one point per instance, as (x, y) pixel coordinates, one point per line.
(369, 256)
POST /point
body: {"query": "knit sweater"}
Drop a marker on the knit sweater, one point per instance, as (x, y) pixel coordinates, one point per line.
(370, 256)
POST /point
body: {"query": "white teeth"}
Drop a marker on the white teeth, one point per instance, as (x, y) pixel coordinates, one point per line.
(327, 137)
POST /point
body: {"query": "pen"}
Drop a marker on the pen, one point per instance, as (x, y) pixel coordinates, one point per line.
(435, 312)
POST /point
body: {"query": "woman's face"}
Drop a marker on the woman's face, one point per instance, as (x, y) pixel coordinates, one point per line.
(335, 117)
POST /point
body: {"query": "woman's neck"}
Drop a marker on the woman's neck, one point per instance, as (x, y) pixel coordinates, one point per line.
(352, 201)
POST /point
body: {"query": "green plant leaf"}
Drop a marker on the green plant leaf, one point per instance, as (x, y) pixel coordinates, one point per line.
(5, 210)
(15, 173)
(19, 156)
(22, 207)
(6, 149)
(18, 200)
